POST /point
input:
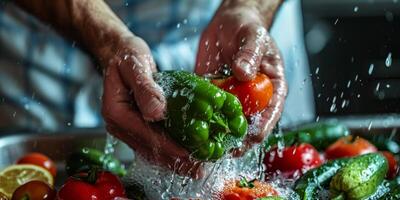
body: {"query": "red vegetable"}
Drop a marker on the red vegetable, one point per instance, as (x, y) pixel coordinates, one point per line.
(254, 95)
(34, 190)
(40, 160)
(105, 186)
(349, 146)
(393, 167)
(291, 162)
(247, 190)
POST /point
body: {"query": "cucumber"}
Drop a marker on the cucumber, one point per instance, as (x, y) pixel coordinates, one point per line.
(307, 186)
(360, 178)
(320, 135)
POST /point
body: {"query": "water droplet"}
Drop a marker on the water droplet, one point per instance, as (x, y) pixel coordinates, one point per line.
(69, 124)
(377, 86)
(185, 21)
(370, 125)
(387, 85)
(336, 21)
(317, 70)
(348, 84)
(371, 69)
(333, 107)
(178, 25)
(355, 8)
(14, 113)
(388, 61)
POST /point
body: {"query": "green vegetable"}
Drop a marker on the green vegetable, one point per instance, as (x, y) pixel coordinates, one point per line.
(308, 185)
(87, 158)
(360, 178)
(320, 135)
(200, 116)
(394, 190)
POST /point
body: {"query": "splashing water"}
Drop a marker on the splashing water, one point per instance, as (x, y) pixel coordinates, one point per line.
(388, 61)
(371, 69)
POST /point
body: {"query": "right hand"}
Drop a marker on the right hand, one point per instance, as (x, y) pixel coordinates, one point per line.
(132, 100)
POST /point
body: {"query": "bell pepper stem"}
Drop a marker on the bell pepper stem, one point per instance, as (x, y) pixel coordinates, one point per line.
(218, 120)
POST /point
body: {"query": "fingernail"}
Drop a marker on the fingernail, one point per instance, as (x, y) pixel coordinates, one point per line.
(245, 66)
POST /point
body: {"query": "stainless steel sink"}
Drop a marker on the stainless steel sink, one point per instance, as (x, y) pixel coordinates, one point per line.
(57, 146)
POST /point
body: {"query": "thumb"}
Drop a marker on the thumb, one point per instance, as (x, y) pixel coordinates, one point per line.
(137, 73)
(248, 58)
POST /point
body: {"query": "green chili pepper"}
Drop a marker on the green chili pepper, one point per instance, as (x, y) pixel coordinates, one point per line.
(200, 116)
(360, 178)
(308, 185)
(320, 135)
(87, 158)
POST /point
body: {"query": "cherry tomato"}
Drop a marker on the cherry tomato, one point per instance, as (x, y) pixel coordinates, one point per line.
(254, 95)
(34, 190)
(393, 166)
(349, 146)
(106, 186)
(236, 190)
(40, 160)
(291, 162)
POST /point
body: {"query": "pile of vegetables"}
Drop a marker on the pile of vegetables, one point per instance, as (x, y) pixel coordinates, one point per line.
(92, 175)
(348, 167)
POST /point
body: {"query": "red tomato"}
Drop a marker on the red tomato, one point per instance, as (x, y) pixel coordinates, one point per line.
(106, 187)
(34, 190)
(40, 160)
(349, 146)
(291, 162)
(234, 190)
(254, 95)
(393, 167)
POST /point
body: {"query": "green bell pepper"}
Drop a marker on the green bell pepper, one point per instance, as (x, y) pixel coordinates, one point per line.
(85, 159)
(200, 116)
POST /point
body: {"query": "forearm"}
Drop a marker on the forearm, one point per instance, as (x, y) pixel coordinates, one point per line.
(266, 8)
(89, 22)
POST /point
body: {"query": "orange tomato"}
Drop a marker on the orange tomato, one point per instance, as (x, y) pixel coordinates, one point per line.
(40, 160)
(349, 146)
(235, 190)
(393, 167)
(254, 95)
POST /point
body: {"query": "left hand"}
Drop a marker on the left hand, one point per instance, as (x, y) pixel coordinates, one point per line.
(237, 37)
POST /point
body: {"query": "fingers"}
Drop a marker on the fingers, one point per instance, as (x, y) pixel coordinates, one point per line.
(248, 58)
(272, 66)
(126, 123)
(136, 70)
(209, 55)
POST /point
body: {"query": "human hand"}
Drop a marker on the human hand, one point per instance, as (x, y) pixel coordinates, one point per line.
(237, 37)
(132, 99)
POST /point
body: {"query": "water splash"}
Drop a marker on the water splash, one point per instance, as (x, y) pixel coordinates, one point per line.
(388, 61)
(371, 68)
(355, 9)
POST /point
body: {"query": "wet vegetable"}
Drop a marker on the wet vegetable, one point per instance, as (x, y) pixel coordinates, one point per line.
(271, 198)
(34, 190)
(308, 185)
(40, 160)
(95, 185)
(349, 146)
(200, 116)
(393, 166)
(394, 190)
(244, 190)
(320, 135)
(254, 95)
(360, 178)
(291, 162)
(86, 158)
